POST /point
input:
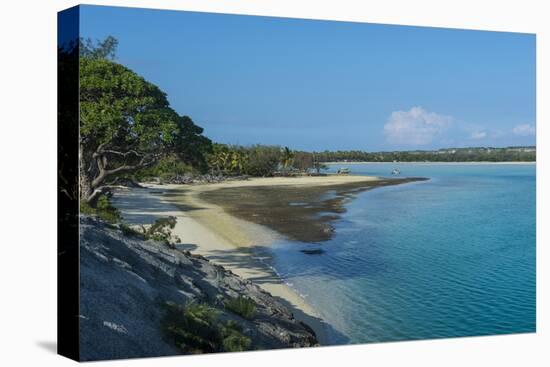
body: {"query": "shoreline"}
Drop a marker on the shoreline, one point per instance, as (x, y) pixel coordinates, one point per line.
(207, 229)
(301, 209)
(442, 163)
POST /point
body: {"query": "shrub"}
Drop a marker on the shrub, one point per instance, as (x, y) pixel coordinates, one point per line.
(163, 223)
(161, 230)
(195, 329)
(263, 160)
(167, 169)
(192, 327)
(103, 210)
(233, 339)
(129, 231)
(242, 306)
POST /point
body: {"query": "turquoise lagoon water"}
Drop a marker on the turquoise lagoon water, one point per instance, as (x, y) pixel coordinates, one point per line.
(453, 256)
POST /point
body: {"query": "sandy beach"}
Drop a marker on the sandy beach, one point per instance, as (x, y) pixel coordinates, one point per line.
(209, 230)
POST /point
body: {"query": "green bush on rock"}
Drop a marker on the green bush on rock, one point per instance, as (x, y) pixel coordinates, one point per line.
(242, 306)
(195, 329)
(104, 210)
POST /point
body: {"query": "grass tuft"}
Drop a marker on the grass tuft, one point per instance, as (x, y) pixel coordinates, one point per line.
(242, 306)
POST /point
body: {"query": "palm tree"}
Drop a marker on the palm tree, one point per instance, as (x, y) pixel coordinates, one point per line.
(236, 162)
(214, 162)
(218, 159)
(224, 160)
(287, 158)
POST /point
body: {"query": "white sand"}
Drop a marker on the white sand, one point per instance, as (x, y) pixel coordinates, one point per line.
(208, 230)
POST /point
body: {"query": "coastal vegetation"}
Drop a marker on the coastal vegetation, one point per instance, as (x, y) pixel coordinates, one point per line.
(127, 124)
(103, 209)
(195, 328)
(160, 230)
(256, 160)
(479, 154)
(242, 306)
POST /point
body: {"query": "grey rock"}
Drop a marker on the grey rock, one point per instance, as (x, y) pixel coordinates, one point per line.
(125, 280)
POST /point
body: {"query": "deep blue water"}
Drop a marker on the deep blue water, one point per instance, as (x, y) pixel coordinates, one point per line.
(453, 256)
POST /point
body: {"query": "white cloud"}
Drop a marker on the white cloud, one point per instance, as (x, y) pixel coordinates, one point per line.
(478, 135)
(524, 130)
(415, 126)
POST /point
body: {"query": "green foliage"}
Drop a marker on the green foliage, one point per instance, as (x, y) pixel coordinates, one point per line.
(233, 339)
(127, 124)
(192, 327)
(195, 329)
(192, 146)
(287, 158)
(509, 154)
(263, 160)
(228, 159)
(161, 230)
(129, 231)
(256, 160)
(162, 223)
(242, 306)
(166, 169)
(103, 210)
(120, 107)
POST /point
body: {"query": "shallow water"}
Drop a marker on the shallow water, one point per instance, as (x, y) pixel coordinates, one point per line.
(452, 256)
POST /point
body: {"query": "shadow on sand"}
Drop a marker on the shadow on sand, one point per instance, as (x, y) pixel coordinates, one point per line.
(140, 209)
(257, 262)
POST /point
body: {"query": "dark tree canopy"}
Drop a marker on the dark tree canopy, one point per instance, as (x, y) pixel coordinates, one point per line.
(193, 146)
(126, 124)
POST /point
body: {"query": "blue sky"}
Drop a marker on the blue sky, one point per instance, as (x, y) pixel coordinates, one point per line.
(317, 85)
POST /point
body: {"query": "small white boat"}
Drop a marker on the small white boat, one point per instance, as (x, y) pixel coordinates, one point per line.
(395, 172)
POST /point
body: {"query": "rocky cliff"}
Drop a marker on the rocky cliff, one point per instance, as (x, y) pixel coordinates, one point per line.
(126, 280)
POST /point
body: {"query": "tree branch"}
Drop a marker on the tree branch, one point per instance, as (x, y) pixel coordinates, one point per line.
(130, 152)
(99, 191)
(145, 161)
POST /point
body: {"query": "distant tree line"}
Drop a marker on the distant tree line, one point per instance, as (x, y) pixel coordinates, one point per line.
(261, 160)
(509, 154)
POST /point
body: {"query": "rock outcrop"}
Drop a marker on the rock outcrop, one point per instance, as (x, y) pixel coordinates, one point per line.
(125, 280)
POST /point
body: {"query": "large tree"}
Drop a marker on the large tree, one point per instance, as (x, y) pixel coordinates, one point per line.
(126, 124)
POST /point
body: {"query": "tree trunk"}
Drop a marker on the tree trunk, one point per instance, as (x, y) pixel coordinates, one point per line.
(94, 170)
(86, 190)
(85, 179)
